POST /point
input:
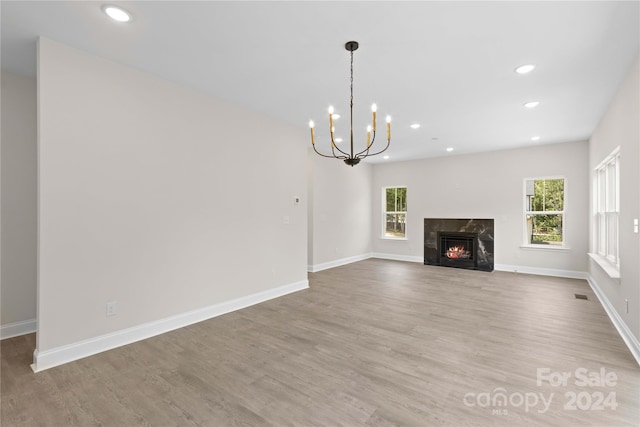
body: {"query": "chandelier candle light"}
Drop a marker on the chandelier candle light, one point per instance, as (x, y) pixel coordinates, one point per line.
(352, 158)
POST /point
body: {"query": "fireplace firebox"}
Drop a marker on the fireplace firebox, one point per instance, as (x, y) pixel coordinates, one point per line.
(457, 249)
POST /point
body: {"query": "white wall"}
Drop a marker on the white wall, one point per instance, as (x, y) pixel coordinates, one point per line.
(489, 185)
(340, 214)
(18, 291)
(620, 126)
(158, 197)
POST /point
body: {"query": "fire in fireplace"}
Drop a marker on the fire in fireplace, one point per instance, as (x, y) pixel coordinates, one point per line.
(456, 249)
(455, 252)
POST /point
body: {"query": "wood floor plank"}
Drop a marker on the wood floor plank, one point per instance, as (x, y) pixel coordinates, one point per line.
(374, 343)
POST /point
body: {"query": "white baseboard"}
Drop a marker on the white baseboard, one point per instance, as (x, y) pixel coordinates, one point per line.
(396, 257)
(500, 267)
(48, 359)
(16, 329)
(627, 336)
(337, 263)
(570, 274)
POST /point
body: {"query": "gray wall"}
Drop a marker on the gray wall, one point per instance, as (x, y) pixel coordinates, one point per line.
(18, 291)
(156, 196)
(489, 185)
(620, 126)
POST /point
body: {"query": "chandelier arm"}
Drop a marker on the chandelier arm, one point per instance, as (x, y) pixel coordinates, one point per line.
(333, 144)
(338, 157)
(330, 157)
(366, 150)
(381, 151)
(360, 154)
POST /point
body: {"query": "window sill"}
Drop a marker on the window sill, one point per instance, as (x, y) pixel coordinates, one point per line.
(545, 247)
(393, 238)
(611, 270)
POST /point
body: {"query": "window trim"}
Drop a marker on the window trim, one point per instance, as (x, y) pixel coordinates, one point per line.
(385, 212)
(601, 242)
(525, 244)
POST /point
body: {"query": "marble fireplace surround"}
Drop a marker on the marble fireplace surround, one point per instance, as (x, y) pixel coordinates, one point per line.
(485, 240)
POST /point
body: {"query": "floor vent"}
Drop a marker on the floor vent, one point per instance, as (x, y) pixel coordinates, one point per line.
(580, 296)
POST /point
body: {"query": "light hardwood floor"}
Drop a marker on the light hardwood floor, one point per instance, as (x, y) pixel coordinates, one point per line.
(375, 343)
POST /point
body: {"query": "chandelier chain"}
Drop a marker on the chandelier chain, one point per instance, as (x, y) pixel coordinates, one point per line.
(351, 108)
(351, 79)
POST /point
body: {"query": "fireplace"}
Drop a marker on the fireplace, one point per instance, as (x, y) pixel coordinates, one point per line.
(457, 249)
(459, 242)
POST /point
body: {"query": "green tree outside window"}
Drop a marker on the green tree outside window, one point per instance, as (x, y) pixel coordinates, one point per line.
(395, 215)
(545, 211)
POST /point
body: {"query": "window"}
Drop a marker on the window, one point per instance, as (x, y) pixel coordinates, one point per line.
(606, 201)
(395, 212)
(544, 212)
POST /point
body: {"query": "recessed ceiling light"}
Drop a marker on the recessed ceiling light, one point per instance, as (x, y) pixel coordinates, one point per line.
(532, 104)
(450, 149)
(117, 13)
(338, 140)
(525, 69)
(535, 138)
(385, 157)
(415, 126)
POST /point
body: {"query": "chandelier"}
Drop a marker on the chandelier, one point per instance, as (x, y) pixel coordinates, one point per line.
(350, 157)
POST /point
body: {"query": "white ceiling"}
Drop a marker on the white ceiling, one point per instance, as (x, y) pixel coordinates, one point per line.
(446, 65)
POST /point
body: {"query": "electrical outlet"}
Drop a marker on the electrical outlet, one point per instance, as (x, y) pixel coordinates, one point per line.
(286, 220)
(112, 308)
(296, 201)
